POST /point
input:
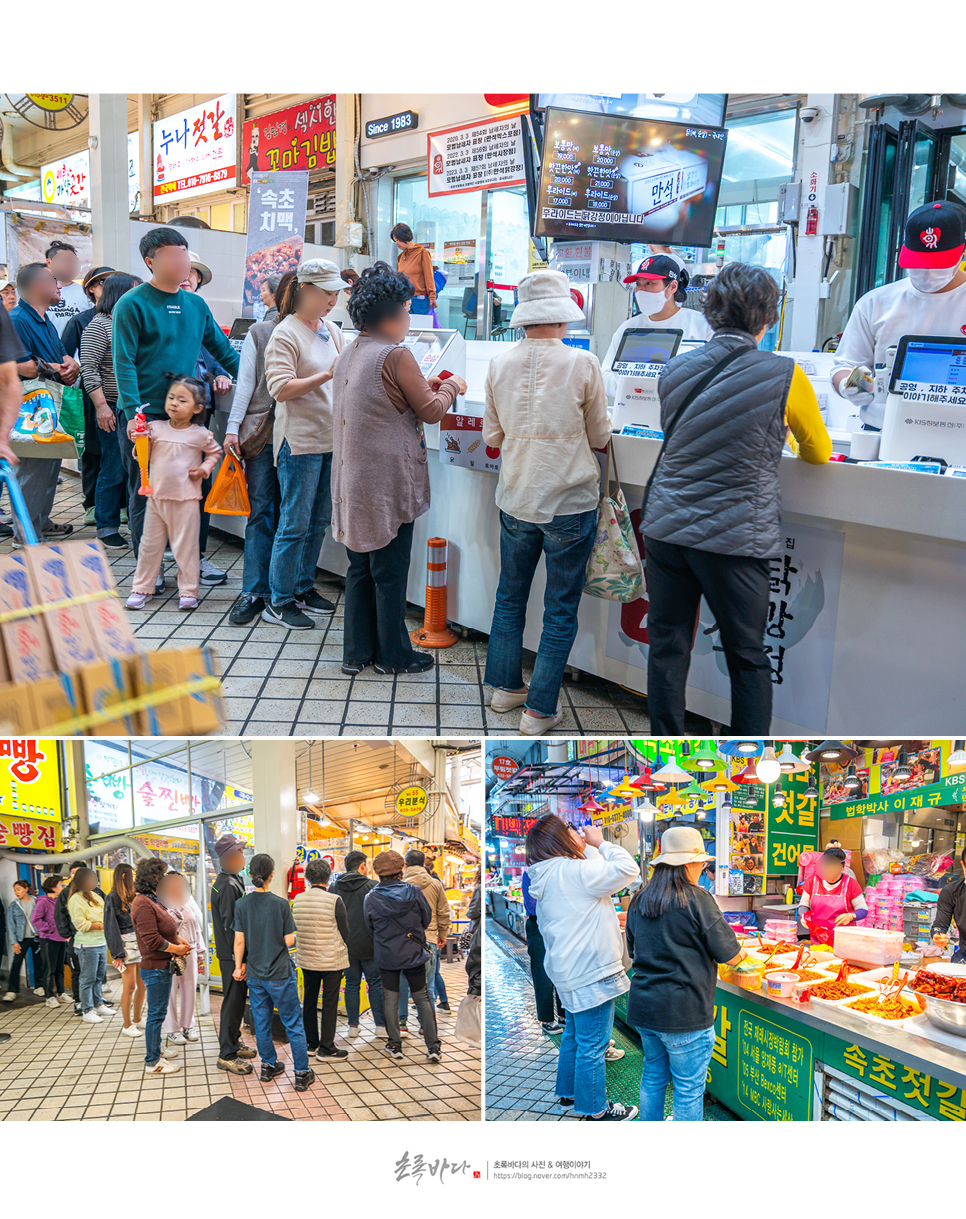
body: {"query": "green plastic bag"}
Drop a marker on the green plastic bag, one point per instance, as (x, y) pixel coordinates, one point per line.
(71, 418)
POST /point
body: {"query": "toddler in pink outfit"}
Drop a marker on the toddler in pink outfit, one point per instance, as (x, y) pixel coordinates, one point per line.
(182, 454)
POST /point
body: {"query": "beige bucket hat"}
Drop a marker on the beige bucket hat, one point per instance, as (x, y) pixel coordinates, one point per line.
(680, 845)
(543, 299)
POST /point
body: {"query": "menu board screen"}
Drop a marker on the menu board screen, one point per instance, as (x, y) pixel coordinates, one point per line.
(608, 178)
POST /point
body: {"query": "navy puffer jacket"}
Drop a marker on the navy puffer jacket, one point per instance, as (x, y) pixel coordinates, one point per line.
(397, 914)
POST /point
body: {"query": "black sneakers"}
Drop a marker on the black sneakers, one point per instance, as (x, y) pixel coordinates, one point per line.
(335, 1055)
(392, 1051)
(289, 616)
(304, 1080)
(420, 663)
(552, 1029)
(114, 541)
(434, 1055)
(354, 668)
(314, 603)
(270, 1073)
(246, 609)
(616, 1112)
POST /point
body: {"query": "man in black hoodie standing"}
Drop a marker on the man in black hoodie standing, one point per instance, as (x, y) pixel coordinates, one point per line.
(226, 889)
(352, 887)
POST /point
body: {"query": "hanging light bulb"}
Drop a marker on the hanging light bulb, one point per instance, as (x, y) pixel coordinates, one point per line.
(832, 751)
(851, 782)
(957, 759)
(902, 771)
(590, 805)
(645, 782)
(311, 796)
(670, 772)
(741, 748)
(646, 809)
(720, 783)
(748, 775)
(778, 798)
(810, 792)
(704, 758)
(790, 764)
(693, 790)
(767, 767)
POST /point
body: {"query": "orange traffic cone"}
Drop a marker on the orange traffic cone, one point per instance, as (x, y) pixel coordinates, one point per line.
(434, 633)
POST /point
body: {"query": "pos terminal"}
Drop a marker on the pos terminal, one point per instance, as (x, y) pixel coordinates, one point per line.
(925, 411)
(640, 358)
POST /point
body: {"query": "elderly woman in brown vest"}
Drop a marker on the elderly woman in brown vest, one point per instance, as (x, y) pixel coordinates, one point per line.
(248, 436)
(380, 479)
(321, 935)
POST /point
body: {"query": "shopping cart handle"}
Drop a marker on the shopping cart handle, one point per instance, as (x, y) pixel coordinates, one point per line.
(18, 504)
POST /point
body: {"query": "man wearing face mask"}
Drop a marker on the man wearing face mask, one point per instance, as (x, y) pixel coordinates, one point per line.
(659, 289)
(932, 300)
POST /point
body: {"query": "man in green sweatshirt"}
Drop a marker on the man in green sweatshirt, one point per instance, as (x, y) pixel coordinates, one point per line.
(157, 332)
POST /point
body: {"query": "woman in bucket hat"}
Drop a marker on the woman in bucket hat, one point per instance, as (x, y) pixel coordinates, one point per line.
(676, 937)
(546, 409)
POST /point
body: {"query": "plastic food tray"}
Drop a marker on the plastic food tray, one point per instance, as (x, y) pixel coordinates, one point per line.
(893, 1024)
(841, 1002)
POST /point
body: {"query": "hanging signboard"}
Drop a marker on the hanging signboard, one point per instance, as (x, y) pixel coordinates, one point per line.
(299, 137)
(504, 767)
(68, 182)
(476, 156)
(950, 790)
(276, 230)
(194, 150)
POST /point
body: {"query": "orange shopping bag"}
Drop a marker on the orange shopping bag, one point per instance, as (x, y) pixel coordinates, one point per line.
(229, 492)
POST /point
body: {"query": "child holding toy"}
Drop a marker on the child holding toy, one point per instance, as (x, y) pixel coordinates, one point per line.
(183, 453)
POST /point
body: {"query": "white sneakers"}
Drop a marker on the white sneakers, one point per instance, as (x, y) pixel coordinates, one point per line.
(531, 725)
(162, 1068)
(92, 1017)
(66, 998)
(52, 1002)
(190, 1034)
(9, 997)
(177, 1038)
(353, 1030)
(39, 990)
(104, 1010)
(132, 1030)
(381, 1030)
(507, 700)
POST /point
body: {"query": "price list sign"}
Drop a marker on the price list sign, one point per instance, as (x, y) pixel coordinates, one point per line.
(774, 1071)
(629, 179)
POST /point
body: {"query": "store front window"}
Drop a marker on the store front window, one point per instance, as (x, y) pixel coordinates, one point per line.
(449, 227)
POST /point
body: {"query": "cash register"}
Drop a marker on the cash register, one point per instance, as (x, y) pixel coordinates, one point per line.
(638, 363)
(925, 410)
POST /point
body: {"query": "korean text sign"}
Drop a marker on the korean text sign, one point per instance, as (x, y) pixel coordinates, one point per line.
(476, 156)
(301, 137)
(276, 228)
(68, 182)
(31, 807)
(194, 150)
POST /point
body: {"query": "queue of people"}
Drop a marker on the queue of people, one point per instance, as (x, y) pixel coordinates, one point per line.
(676, 936)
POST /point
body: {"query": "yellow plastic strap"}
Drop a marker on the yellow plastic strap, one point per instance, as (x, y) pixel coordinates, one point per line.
(31, 611)
(132, 706)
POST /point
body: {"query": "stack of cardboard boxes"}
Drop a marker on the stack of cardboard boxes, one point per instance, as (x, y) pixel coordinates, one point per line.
(82, 658)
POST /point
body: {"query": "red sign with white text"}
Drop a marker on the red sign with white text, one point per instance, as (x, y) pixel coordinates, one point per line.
(300, 137)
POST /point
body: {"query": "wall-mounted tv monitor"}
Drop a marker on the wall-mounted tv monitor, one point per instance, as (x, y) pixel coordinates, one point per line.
(607, 178)
(708, 109)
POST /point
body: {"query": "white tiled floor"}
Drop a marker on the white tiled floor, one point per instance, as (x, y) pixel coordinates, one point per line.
(280, 682)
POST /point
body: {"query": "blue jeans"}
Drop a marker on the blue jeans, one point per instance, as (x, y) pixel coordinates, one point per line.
(93, 963)
(581, 1070)
(353, 982)
(441, 994)
(432, 968)
(157, 984)
(306, 509)
(681, 1058)
(566, 543)
(419, 304)
(110, 490)
(260, 531)
(283, 997)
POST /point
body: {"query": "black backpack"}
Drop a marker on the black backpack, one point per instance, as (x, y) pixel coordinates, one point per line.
(62, 919)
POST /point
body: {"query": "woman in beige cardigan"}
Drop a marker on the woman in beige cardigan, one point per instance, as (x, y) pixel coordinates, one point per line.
(299, 360)
(321, 933)
(380, 480)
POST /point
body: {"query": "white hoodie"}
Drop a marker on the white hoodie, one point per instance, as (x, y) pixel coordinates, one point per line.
(576, 915)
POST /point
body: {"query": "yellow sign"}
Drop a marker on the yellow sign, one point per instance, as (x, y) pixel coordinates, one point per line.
(612, 816)
(33, 835)
(30, 780)
(411, 801)
(50, 187)
(51, 102)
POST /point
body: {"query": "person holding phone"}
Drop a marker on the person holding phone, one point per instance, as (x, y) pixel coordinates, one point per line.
(574, 876)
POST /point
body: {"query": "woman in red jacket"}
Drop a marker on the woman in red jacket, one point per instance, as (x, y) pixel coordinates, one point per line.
(159, 944)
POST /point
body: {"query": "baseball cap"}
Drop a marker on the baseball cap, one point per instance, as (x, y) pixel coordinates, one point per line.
(658, 266)
(323, 274)
(226, 843)
(935, 236)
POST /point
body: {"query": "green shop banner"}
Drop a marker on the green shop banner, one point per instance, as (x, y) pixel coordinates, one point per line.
(789, 829)
(950, 790)
(896, 1081)
(761, 1068)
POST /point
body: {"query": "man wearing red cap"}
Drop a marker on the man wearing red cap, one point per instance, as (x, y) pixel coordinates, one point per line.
(932, 301)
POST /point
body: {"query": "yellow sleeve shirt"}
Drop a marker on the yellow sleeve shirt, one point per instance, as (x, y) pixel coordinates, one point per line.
(809, 438)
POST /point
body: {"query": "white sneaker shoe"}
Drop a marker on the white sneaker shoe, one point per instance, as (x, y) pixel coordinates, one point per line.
(66, 998)
(190, 1034)
(162, 1068)
(9, 997)
(169, 1053)
(177, 1038)
(39, 990)
(141, 1025)
(92, 1017)
(52, 1002)
(381, 1030)
(132, 1030)
(532, 725)
(353, 1030)
(507, 700)
(613, 1054)
(103, 1010)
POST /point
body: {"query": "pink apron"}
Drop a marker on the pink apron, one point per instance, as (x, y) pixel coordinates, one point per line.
(824, 908)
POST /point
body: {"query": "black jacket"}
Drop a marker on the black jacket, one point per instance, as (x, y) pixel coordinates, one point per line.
(74, 329)
(117, 923)
(474, 958)
(397, 915)
(951, 905)
(352, 887)
(226, 890)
